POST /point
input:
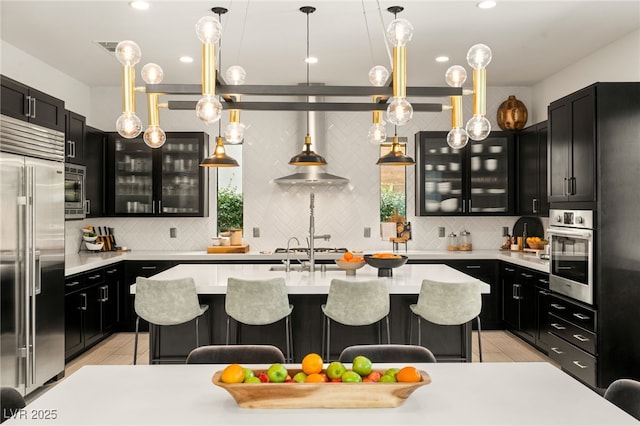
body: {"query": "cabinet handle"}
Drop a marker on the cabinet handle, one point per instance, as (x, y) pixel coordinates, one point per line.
(580, 365)
(558, 326)
(87, 207)
(28, 112)
(72, 149)
(106, 293)
(469, 208)
(509, 269)
(94, 277)
(581, 316)
(535, 205)
(581, 338)
(572, 181)
(72, 284)
(543, 280)
(33, 108)
(149, 267)
(516, 292)
(526, 275)
(83, 307)
(472, 266)
(565, 186)
(543, 292)
(558, 306)
(556, 350)
(112, 271)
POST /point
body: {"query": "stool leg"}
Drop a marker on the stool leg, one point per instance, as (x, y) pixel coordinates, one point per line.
(388, 332)
(288, 342)
(135, 343)
(328, 339)
(479, 339)
(197, 332)
(410, 328)
(419, 332)
(324, 334)
(227, 338)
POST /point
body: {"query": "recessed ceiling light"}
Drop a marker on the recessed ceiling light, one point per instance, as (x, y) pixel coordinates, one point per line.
(442, 59)
(186, 59)
(311, 60)
(486, 4)
(139, 4)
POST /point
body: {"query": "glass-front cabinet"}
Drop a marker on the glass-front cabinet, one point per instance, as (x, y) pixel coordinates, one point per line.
(478, 179)
(166, 181)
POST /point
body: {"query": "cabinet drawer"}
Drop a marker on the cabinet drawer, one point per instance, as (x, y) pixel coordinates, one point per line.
(578, 315)
(74, 283)
(95, 277)
(575, 361)
(584, 339)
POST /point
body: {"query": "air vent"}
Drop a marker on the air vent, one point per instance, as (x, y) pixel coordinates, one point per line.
(109, 46)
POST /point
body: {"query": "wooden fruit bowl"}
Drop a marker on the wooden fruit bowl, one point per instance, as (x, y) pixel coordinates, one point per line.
(537, 245)
(320, 395)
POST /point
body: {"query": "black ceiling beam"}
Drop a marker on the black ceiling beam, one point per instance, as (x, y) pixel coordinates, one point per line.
(300, 90)
(305, 106)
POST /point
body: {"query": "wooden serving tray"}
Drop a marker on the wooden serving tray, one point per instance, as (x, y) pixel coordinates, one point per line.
(228, 249)
(320, 395)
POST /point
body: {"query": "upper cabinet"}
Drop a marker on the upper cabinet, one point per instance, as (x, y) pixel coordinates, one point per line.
(477, 179)
(166, 181)
(27, 104)
(94, 160)
(75, 135)
(532, 170)
(572, 147)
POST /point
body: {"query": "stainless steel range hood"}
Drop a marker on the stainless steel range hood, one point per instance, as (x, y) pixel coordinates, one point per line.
(312, 175)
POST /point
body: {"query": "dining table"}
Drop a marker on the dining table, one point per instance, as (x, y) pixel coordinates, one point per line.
(458, 394)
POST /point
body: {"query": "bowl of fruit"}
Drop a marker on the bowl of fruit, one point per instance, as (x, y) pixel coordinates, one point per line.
(536, 243)
(350, 263)
(316, 385)
(385, 262)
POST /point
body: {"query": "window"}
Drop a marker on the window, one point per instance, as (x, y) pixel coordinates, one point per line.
(229, 192)
(393, 191)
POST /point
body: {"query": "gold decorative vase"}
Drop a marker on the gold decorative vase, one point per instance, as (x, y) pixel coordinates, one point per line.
(512, 114)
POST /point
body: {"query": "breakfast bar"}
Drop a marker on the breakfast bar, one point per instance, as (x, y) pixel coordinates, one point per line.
(307, 292)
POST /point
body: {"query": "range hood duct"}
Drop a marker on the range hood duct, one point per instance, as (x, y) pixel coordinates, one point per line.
(313, 175)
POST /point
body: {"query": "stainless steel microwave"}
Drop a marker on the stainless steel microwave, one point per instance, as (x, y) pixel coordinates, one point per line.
(75, 203)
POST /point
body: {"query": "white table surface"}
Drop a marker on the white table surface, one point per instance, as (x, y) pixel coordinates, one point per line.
(407, 279)
(460, 394)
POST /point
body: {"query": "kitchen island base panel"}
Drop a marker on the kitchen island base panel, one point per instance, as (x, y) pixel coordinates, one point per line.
(173, 343)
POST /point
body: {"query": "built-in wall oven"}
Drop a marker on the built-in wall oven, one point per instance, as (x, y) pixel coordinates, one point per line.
(74, 192)
(571, 263)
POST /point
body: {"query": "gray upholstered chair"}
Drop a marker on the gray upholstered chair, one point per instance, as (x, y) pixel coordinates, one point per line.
(10, 402)
(625, 393)
(240, 354)
(448, 304)
(388, 353)
(259, 302)
(166, 302)
(345, 306)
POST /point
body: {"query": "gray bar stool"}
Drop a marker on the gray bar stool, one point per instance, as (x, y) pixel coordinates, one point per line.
(448, 304)
(239, 354)
(166, 302)
(340, 307)
(388, 353)
(259, 302)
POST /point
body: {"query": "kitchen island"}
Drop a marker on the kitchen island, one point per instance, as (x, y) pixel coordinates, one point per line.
(307, 292)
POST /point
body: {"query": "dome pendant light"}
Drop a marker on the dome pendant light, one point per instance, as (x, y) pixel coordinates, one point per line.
(307, 157)
(395, 157)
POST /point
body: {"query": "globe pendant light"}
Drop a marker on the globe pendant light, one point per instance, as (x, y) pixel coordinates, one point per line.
(307, 157)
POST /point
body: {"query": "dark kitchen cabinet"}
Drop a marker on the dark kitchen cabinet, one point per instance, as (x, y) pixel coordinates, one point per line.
(475, 180)
(572, 147)
(27, 104)
(532, 170)
(109, 297)
(519, 301)
(75, 132)
(486, 271)
(94, 160)
(134, 269)
(166, 181)
(542, 306)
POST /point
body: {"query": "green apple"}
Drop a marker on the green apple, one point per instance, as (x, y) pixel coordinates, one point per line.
(351, 377)
(335, 370)
(252, 379)
(277, 373)
(392, 372)
(248, 373)
(362, 365)
(300, 377)
(387, 378)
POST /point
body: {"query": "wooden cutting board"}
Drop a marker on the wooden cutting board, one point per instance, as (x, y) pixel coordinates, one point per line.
(228, 249)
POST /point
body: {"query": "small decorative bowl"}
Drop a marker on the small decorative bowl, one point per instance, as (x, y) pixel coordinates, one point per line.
(89, 239)
(537, 245)
(93, 247)
(349, 267)
(385, 264)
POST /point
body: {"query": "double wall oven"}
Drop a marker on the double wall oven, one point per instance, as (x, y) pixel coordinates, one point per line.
(571, 255)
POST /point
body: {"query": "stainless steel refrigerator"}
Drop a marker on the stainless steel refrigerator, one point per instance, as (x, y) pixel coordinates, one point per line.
(32, 254)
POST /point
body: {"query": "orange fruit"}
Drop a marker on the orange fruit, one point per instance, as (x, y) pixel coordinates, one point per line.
(312, 363)
(348, 256)
(233, 373)
(315, 378)
(408, 374)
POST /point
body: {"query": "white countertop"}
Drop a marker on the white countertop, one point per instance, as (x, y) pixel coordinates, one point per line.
(82, 262)
(459, 394)
(407, 279)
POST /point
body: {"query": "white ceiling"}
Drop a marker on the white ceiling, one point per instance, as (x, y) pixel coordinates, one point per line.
(530, 40)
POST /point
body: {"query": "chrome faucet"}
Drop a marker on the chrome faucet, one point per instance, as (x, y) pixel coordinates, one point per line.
(287, 263)
(312, 236)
